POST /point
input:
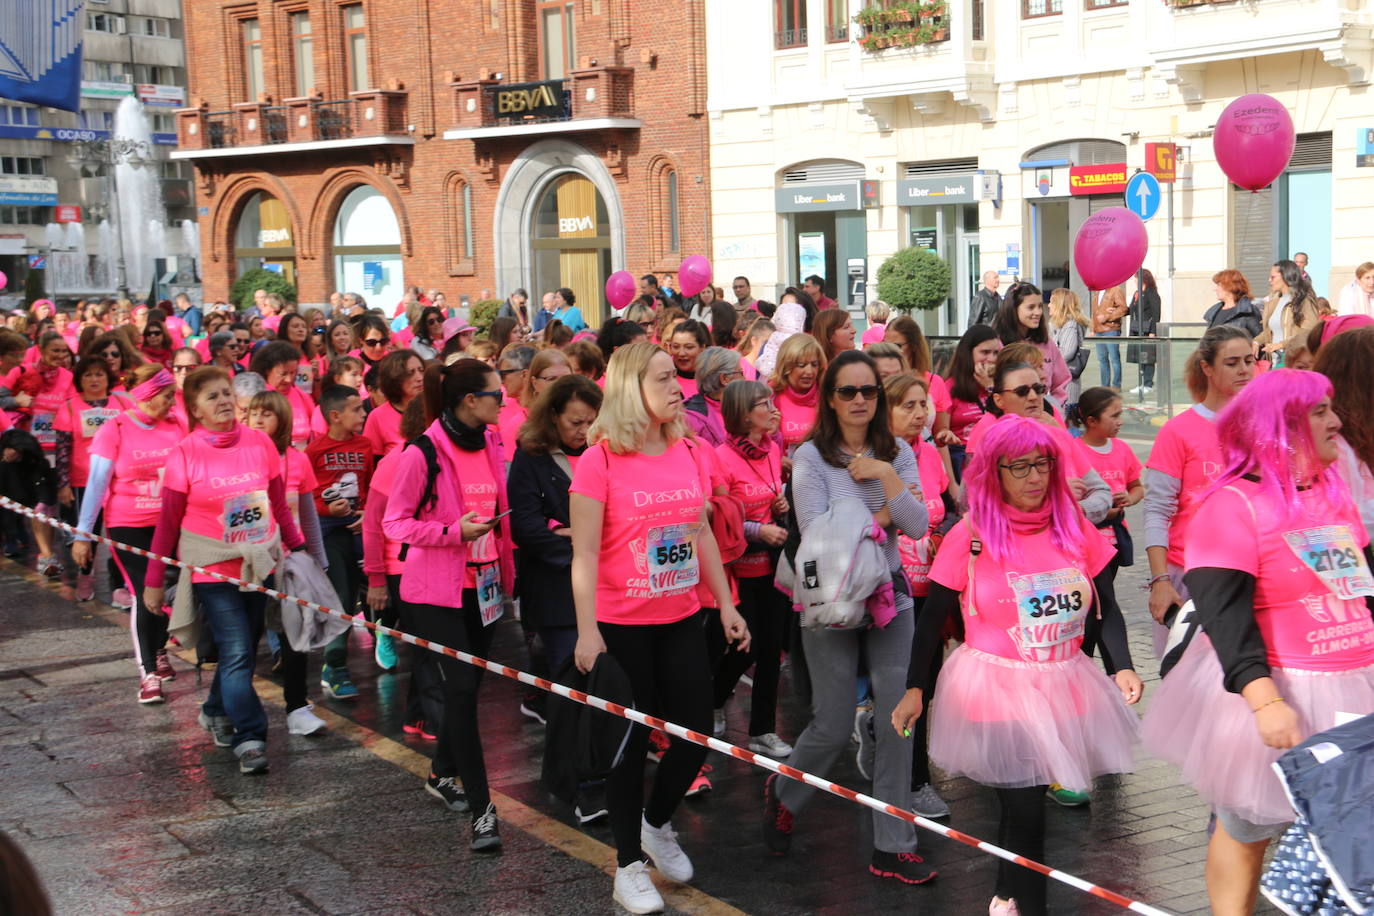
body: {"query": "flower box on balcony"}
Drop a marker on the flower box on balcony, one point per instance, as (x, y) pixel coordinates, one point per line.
(903, 25)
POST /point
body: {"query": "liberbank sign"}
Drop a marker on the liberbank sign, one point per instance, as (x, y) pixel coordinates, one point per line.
(813, 198)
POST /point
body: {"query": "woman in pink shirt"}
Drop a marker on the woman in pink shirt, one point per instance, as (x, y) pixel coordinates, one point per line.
(1022, 317)
(1278, 566)
(684, 344)
(458, 566)
(400, 378)
(970, 386)
(641, 545)
(906, 333)
(50, 385)
(834, 331)
(224, 508)
(796, 385)
(277, 363)
(124, 485)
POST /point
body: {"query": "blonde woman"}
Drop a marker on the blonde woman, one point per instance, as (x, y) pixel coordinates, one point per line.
(641, 546)
(1067, 323)
(796, 382)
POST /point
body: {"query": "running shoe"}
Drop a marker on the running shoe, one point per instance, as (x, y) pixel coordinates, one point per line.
(635, 891)
(718, 723)
(532, 706)
(906, 867)
(1000, 907)
(385, 652)
(926, 802)
(1067, 797)
(50, 567)
(85, 586)
(770, 744)
(163, 668)
(485, 836)
(860, 714)
(777, 820)
(150, 689)
(122, 599)
(252, 759)
(661, 846)
(590, 804)
(701, 784)
(868, 745)
(658, 743)
(448, 791)
(337, 683)
(219, 727)
(418, 727)
(303, 721)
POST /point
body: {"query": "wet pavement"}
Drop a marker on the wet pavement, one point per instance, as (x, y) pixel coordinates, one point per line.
(131, 809)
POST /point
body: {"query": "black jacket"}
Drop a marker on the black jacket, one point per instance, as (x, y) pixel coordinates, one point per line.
(984, 307)
(538, 492)
(583, 743)
(1246, 315)
(29, 480)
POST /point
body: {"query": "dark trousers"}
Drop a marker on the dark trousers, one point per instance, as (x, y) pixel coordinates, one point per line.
(559, 644)
(1022, 830)
(150, 629)
(425, 697)
(958, 457)
(293, 675)
(920, 734)
(459, 751)
(669, 671)
(765, 610)
(236, 619)
(341, 549)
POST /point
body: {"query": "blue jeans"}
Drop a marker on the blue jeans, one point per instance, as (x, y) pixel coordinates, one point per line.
(1109, 360)
(235, 619)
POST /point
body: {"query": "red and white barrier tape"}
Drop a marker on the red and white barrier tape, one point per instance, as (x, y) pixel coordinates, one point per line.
(633, 715)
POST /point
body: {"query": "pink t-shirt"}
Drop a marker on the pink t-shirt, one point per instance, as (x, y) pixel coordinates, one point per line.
(1186, 449)
(648, 567)
(301, 409)
(479, 495)
(796, 418)
(688, 386)
(915, 552)
(1075, 465)
(1032, 609)
(299, 479)
(874, 333)
(46, 404)
(511, 418)
(963, 416)
(83, 421)
(226, 491)
(1119, 468)
(1310, 573)
(756, 483)
(383, 427)
(134, 498)
(940, 401)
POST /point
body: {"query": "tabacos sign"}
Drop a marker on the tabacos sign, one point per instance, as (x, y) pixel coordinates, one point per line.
(531, 100)
(1098, 179)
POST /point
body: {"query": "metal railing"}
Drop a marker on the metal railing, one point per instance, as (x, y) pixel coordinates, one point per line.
(334, 120)
(274, 124)
(789, 38)
(221, 129)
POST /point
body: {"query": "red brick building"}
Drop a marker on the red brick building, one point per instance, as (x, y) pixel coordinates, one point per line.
(472, 146)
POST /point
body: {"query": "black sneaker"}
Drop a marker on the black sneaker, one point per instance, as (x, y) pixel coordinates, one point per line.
(485, 836)
(253, 761)
(590, 804)
(532, 706)
(448, 791)
(777, 820)
(906, 867)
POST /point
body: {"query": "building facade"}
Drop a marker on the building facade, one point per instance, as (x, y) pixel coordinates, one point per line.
(468, 147)
(989, 130)
(61, 208)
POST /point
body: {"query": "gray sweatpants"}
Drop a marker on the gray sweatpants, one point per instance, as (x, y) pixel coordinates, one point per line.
(833, 659)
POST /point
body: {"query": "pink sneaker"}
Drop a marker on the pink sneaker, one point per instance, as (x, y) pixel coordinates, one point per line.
(999, 907)
(85, 586)
(701, 784)
(163, 668)
(122, 599)
(150, 689)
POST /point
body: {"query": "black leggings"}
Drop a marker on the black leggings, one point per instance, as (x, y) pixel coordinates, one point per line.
(1022, 830)
(459, 751)
(151, 629)
(765, 610)
(669, 672)
(425, 696)
(920, 735)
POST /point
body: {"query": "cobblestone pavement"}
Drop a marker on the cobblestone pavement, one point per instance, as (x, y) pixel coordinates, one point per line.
(129, 809)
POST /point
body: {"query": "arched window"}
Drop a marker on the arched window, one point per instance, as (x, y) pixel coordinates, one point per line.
(367, 246)
(461, 236)
(672, 213)
(665, 216)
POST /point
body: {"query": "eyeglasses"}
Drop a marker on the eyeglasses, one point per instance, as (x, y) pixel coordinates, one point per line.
(111, 354)
(182, 368)
(1021, 469)
(374, 342)
(849, 392)
(505, 372)
(498, 395)
(434, 319)
(1023, 391)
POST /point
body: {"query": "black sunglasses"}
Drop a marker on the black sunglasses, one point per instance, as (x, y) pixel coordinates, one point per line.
(849, 392)
(374, 341)
(1023, 391)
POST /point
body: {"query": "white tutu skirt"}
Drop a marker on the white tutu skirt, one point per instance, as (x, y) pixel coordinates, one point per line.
(1210, 735)
(1012, 724)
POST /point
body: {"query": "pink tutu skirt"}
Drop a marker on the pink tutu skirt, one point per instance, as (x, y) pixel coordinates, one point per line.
(1210, 735)
(1012, 724)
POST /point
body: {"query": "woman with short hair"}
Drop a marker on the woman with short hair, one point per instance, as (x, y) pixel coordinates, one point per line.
(716, 368)
(401, 378)
(1234, 305)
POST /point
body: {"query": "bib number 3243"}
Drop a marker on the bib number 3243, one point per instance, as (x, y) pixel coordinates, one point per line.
(1051, 607)
(673, 562)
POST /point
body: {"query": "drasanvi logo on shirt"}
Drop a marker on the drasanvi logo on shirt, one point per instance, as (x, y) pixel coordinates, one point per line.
(643, 498)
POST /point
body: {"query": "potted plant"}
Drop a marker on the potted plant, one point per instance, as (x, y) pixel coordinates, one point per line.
(868, 17)
(940, 34)
(914, 278)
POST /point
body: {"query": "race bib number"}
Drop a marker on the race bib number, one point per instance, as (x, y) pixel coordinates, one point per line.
(247, 518)
(1050, 607)
(93, 419)
(42, 430)
(489, 593)
(1331, 552)
(673, 564)
(305, 380)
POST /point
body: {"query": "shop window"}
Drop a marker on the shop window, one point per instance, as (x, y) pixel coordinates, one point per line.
(836, 21)
(251, 31)
(21, 165)
(556, 38)
(303, 53)
(790, 26)
(355, 48)
(1034, 9)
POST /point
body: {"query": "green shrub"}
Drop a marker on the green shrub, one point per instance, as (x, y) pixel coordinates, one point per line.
(241, 294)
(483, 313)
(914, 278)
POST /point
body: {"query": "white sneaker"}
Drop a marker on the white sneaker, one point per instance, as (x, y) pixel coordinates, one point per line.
(660, 845)
(718, 725)
(1138, 389)
(1146, 390)
(635, 891)
(303, 721)
(769, 744)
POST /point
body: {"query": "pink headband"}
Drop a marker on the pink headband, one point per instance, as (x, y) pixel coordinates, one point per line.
(153, 387)
(1336, 325)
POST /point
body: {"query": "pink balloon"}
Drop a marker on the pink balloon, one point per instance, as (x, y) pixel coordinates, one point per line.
(693, 275)
(3, 279)
(1254, 140)
(1110, 247)
(620, 289)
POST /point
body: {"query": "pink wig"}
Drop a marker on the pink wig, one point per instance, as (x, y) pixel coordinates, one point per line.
(1008, 439)
(1266, 431)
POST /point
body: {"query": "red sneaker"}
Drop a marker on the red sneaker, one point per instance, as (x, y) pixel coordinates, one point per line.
(658, 743)
(421, 728)
(701, 784)
(150, 689)
(163, 668)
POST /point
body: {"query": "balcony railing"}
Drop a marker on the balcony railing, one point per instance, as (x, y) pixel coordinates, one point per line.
(789, 38)
(591, 92)
(218, 129)
(274, 124)
(371, 113)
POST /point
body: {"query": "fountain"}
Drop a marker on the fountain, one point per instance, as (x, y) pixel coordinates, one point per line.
(190, 240)
(141, 214)
(102, 269)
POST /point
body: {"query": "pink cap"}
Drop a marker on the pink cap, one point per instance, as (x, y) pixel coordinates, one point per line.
(455, 326)
(1335, 325)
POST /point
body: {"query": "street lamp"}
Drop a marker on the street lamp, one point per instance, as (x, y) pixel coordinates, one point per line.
(113, 152)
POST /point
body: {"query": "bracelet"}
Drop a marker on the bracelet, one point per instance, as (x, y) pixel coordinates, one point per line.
(1267, 703)
(1151, 584)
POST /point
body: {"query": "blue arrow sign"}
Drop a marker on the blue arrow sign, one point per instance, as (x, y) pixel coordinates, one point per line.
(1142, 195)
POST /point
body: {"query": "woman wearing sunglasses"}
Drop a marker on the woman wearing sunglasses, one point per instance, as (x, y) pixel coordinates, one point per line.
(851, 452)
(457, 566)
(1019, 706)
(374, 339)
(428, 333)
(157, 343)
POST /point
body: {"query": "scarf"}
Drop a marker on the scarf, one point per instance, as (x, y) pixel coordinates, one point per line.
(216, 439)
(811, 398)
(748, 449)
(468, 438)
(1028, 522)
